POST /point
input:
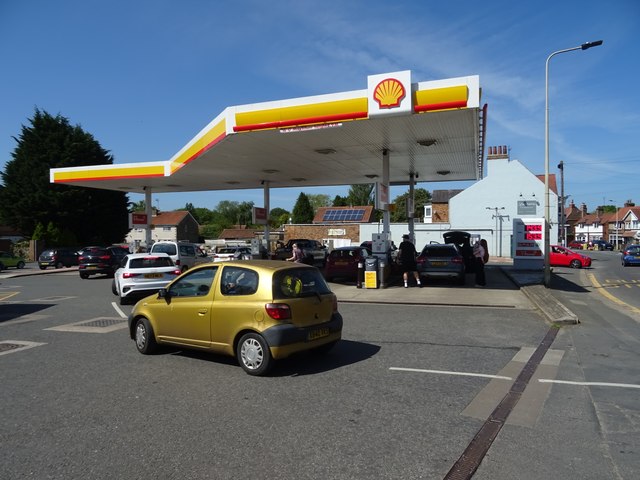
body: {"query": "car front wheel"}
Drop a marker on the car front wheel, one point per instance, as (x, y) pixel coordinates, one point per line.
(253, 354)
(20, 264)
(575, 264)
(145, 339)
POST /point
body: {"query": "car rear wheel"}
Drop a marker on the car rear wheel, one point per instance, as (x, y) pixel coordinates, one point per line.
(114, 290)
(145, 339)
(575, 264)
(253, 354)
(84, 276)
(20, 264)
(59, 265)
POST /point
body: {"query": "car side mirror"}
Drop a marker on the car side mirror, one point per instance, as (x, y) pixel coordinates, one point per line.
(164, 293)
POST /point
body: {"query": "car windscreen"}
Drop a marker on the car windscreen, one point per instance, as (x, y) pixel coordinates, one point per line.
(299, 282)
(150, 262)
(94, 251)
(167, 248)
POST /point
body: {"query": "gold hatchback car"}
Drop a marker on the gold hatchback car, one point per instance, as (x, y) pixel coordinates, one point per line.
(256, 310)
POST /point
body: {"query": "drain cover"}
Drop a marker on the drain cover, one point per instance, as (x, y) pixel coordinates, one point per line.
(5, 347)
(101, 322)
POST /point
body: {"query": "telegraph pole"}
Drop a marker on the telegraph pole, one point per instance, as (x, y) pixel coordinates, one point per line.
(563, 230)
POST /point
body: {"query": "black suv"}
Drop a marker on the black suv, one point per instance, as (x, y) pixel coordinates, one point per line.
(58, 258)
(106, 260)
(602, 245)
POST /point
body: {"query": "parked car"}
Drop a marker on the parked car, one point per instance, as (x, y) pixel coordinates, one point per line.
(100, 260)
(442, 260)
(343, 262)
(602, 245)
(258, 311)
(143, 274)
(631, 255)
(315, 252)
(10, 260)
(58, 258)
(577, 244)
(560, 256)
(232, 253)
(462, 240)
(183, 254)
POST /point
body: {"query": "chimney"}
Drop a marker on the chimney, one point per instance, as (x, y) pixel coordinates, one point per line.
(499, 152)
(583, 208)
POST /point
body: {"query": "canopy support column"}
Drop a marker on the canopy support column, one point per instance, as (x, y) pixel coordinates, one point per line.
(267, 207)
(386, 216)
(411, 202)
(149, 212)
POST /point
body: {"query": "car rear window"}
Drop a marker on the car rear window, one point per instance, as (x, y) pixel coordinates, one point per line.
(94, 251)
(299, 282)
(441, 251)
(150, 262)
(168, 248)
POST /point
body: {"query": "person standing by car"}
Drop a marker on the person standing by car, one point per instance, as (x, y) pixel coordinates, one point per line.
(296, 254)
(481, 256)
(407, 255)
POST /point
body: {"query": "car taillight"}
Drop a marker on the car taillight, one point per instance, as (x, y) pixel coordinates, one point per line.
(335, 303)
(457, 260)
(104, 257)
(176, 272)
(130, 275)
(178, 262)
(278, 311)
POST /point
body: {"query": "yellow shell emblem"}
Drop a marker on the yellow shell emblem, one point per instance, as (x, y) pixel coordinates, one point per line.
(389, 93)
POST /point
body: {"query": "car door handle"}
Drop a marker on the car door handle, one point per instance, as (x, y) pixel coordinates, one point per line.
(203, 311)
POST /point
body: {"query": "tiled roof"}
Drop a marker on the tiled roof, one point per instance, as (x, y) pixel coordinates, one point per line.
(553, 186)
(170, 218)
(366, 216)
(443, 196)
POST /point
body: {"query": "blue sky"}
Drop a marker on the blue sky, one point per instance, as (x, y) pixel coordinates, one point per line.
(143, 77)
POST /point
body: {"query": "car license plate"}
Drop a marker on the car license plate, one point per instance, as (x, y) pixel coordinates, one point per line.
(342, 263)
(438, 264)
(318, 333)
(91, 267)
(152, 275)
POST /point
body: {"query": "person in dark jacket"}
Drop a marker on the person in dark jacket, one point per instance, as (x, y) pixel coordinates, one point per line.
(407, 255)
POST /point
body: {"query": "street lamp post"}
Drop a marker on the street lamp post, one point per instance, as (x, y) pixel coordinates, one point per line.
(616, 241)
(547, 206)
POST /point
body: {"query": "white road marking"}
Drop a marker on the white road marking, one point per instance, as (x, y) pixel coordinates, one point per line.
(118, 310)
(590, 384)
(445, 372)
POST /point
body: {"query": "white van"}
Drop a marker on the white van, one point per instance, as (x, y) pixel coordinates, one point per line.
(183, 254)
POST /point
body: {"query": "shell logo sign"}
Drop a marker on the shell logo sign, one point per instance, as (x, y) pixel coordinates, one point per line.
(389, 93)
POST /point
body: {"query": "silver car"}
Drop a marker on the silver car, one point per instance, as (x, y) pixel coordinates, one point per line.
(143, 274)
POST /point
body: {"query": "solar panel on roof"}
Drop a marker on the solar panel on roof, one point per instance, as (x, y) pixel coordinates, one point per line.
(344, 215)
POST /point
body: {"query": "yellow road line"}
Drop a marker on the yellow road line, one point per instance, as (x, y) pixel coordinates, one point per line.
(5, 295)
(603, 291)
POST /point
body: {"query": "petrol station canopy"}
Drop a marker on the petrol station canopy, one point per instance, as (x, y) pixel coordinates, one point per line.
(431, 131)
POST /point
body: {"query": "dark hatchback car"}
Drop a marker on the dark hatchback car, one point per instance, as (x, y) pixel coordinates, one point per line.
(343, 262)
(441, 260)
(58, 258)
(602, 245)
(100, 260)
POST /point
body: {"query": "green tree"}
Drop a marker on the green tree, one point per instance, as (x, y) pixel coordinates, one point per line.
(421, 198)
(361, 195)
(318, 200)
(28, 198)
(278, 216)
(339, 201)
(137, 206)
(302, 210)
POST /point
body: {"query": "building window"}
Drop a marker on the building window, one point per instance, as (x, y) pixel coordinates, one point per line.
(166, 229)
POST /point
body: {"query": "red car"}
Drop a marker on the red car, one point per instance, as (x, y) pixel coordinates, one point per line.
(343, 262)
(576, 244)
(563, 257)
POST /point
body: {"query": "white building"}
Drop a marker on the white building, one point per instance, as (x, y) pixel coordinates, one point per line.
(487, 208)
